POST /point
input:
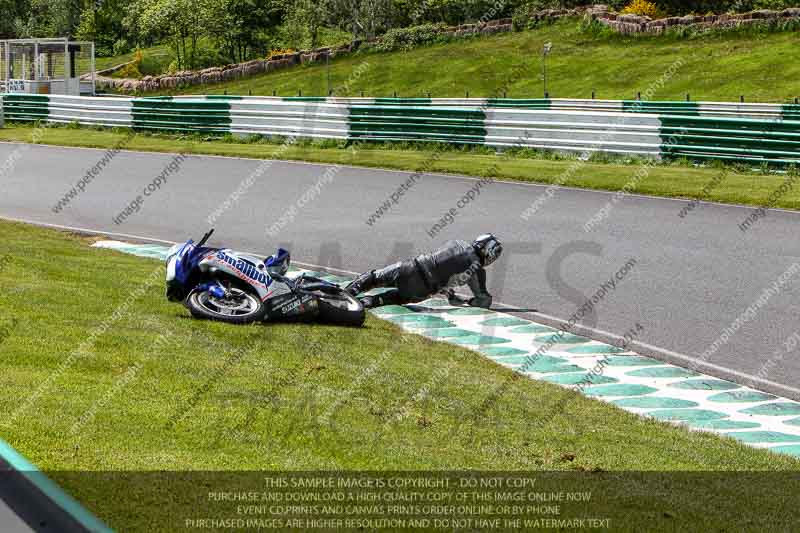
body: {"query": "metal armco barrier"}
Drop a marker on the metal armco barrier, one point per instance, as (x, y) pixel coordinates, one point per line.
(752, 133)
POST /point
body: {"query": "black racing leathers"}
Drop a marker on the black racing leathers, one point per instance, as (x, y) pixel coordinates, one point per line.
(453, 265)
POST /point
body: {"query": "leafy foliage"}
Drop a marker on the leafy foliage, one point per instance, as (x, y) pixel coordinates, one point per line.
(38, 18)
(407, 38)
(102, 22)
(522, 17)
(683, 7)
(238, 27)
(643, 8)
(211, 32)
(13, 11)
(131, 70)
(774, 4)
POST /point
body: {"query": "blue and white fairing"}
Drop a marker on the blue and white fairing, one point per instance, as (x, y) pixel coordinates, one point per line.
(247, 268)
(185, 259)
(179, 266)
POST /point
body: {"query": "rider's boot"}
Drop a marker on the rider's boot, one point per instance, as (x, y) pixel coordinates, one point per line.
(384, 277)
(362, 283)
(390, 297)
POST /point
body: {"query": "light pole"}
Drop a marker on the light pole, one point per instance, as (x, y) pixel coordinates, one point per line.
(328, 70)
(545, 51)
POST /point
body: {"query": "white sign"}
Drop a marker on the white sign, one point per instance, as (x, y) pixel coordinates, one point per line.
(15, 86)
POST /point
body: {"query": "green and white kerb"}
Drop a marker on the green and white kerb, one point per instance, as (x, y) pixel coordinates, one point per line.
(632, 382)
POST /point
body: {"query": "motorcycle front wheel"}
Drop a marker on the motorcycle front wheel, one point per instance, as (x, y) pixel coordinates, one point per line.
(238, 306)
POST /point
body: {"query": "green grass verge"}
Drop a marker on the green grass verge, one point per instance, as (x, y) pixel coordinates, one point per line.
(670, 180)
(720, 66)
(110, 376)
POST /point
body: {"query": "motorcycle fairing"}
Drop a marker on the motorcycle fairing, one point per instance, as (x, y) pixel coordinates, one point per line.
(181, 260)
(291, 304)
(244, 268)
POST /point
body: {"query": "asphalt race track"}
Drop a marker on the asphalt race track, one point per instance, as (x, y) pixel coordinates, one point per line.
(690, 278)
(10, 522)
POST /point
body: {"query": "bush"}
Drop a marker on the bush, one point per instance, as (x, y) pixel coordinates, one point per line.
(683, 7)
(743, 6)
(408, 38)
(207, 56)
(591, 27)
(522, 16)
(153, 65)
(758, 28)
(131, 70)
(281, 52)
(121, 46)
(643, 8)
(777, 5)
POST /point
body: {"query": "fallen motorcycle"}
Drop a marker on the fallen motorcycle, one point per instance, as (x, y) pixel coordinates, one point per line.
(221, 284)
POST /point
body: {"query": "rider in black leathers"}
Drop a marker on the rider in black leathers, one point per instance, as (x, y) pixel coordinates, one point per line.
(457, 263)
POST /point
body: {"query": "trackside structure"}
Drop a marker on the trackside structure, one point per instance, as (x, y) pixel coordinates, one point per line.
(56, 66)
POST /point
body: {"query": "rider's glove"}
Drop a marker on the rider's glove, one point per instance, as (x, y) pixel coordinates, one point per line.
(455, 299)
(484, 301)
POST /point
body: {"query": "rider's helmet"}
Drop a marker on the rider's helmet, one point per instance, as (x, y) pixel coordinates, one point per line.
(488, 248)
(278, 263)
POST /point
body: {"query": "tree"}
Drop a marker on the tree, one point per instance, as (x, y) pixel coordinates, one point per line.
(238, 27)
(376, 16)
(13, 12)
(103, 23)
(367, 18)
(47, 18)
(183, 22)
(303, 21)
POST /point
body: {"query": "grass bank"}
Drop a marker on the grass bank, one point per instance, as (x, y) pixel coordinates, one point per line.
(718, 66)
(155, 60)
(670, 180)
(101, 373)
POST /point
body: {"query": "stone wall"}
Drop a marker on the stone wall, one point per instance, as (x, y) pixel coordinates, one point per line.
(188, 78)
(628, 24)
(624, 23)
(110, 70)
